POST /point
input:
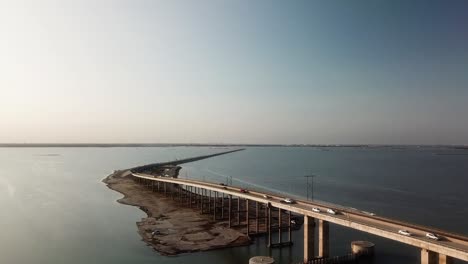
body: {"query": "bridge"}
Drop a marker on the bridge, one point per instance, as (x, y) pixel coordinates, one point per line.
(217, 199)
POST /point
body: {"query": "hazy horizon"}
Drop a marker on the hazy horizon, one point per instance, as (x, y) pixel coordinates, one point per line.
(263, 72)
(213, 144)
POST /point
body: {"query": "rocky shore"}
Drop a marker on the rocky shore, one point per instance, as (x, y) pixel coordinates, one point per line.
(170, 228)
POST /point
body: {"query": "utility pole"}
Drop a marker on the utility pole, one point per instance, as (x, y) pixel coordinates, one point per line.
(310, 186)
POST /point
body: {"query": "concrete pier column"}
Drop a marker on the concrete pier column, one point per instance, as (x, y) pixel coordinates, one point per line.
(238, 210)
(269, 225)
(443, 259)
(180, 190)
(256, 217)
(222, 206)
(428, 257)
(280, 224)
(309, 238)
(209, 203)
(165, 189)
(214, 205)
(289, 227)
(199, 197)
(362, 248)
(202, 200)
(230, 209)
(247, 220)
(261, 260)
(190, 196)
(324, 243)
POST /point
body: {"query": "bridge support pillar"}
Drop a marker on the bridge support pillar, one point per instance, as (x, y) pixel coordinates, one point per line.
(238, 211)
(222, 206)
(289, 227)
(269, 224)
(428, 257)
(209, 201)
(323, 241)
(309, 238)
(280, 226)
(214, 205)
(256, 217)
(202, 200)
(443, 259)
(247, 220)
(230, 210)
(198, 197)
(190, 196)
(179, 192)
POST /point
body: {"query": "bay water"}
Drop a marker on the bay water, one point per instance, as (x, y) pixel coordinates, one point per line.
(55, 209)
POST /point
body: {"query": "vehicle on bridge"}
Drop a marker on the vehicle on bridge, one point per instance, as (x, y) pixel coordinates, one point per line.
(331, 211)
(368, 213)
(404, 232)
(315, 209)
(243, 191)
(432, 236)
(288, 201)
(266, 196)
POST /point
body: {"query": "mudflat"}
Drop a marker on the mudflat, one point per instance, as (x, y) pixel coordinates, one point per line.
(171, 228)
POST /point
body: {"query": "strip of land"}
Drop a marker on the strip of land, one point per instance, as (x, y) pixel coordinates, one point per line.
(170, 228)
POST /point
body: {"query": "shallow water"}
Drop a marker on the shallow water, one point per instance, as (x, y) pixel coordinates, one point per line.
(56, 210)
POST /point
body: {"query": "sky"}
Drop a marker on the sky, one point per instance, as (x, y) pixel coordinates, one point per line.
(269, 71)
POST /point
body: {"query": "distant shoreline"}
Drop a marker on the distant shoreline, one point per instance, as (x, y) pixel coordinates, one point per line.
(136, 145)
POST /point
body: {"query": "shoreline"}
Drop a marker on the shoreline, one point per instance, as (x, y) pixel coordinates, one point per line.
(169, 228)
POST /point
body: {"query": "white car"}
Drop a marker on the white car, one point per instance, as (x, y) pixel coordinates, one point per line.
(404, 232)
(368, 213)
(266, 196)
(288, 201)
(331, 211)
(432, 236)
(315, 209)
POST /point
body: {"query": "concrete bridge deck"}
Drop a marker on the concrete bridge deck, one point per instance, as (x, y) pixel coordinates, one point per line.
(448, 247)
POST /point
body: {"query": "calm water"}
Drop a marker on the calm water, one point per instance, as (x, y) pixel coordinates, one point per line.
(56, 210)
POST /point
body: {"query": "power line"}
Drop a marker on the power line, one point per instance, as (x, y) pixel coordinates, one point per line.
(310, 186)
